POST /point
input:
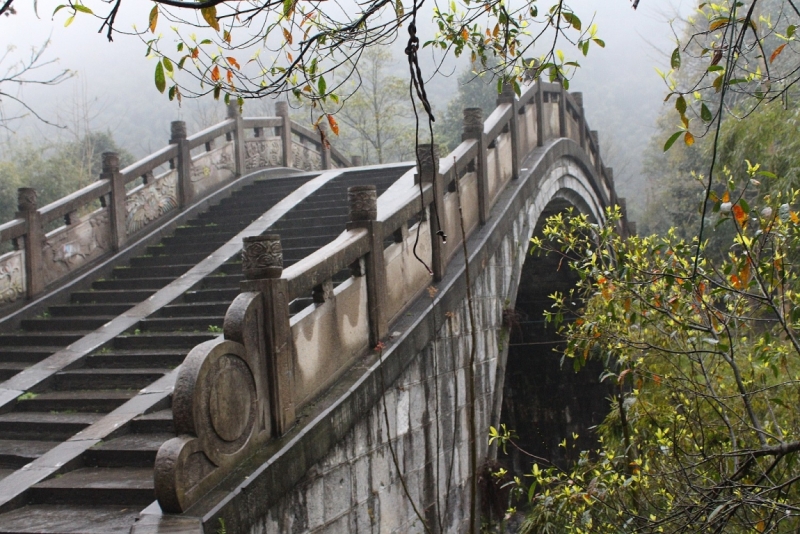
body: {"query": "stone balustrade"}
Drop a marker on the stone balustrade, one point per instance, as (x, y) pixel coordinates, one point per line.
(125, 204)
(394, 247)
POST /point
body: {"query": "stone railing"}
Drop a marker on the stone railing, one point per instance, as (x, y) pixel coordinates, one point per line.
(124, 204)
(236, 392)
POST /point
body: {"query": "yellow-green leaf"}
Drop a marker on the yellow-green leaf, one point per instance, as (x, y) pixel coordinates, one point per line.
(153, 19)
(160, 79)
(210, 16)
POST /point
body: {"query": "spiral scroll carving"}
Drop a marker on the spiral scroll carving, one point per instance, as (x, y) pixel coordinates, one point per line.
(262, 257)
(363, 200)
(26, 199)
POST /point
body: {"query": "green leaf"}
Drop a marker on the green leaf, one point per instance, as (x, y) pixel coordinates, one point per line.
(83, 9)
(705, 113)
(69, 21)
(675, 60)
(744, 205)
(210, 16)
(167, 64)
(321, 85)
(160, 79)
(680, 105)
(671, 141)
(59, 8)
(172, 93)
(790, 30)
(601, 43)
(288, 5)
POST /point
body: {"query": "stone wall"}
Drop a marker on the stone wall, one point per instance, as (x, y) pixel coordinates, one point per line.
(356, 487)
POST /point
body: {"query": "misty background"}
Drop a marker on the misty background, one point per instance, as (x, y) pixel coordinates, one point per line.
(112, 89)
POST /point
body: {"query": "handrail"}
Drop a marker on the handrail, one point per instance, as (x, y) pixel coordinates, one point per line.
(212, 132)
(148, 163)
(73, 201)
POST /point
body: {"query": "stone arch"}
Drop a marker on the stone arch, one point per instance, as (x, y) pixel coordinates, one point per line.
(533, 395)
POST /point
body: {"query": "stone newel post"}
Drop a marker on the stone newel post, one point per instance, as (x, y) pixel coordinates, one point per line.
(282, 111)
(473, 129)
(262, 263)
(34, 239)
(117, 209)
(578, 98)
(325, 148)
(184, 163)
(238, 137)
(508, 96)
(363, 201)
(428, 168)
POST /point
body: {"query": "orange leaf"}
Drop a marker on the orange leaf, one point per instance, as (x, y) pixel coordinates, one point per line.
(657, 379)
(794, 217)
(688, 139)
(464, 33)
(739, 214)
(777, 52)
(232, 61)
(226, 35)
(215, 74)
(333, 124)
(229, 75)
(726, 197)
(287, 35)
(195, 52)
(153, 19)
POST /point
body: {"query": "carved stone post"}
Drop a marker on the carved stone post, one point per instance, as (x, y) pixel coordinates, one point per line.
(184, 164)
(34, 239)
(238, 137)
(326, 147)
(578, 97)
(282, 111)
(473, 129)
(598, 162)
(357, 161)
(509, 97)
(563, 127)
(539, 113)
(117, 210)
(428, 167)
(262, 264)
(363, 201)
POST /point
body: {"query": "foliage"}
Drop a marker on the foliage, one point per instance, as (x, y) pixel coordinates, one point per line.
(475, 90)
(705, 361)
(54, 171)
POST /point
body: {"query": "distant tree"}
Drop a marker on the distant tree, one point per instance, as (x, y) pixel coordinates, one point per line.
(476, 89)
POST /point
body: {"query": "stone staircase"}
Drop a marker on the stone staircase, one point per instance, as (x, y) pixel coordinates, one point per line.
(105, 487)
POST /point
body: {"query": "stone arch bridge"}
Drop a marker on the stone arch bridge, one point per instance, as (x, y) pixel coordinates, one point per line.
(247, 332)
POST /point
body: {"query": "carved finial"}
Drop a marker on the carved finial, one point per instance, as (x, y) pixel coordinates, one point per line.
(357, 161)
(177, 131)
(110, 162)
(363, 200)
(428, 161)
(233, 108)
(282, 108)
(26, 199)
(262, 256)
(473, 123)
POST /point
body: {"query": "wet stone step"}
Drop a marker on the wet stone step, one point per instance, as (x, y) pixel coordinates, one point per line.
(175, 259)
(158, 271)
(16, 453)
(227, 281)
(211, 294)
(77, 310)
(203, 309)
(9, 369)
(151, 340)
(65, 323)
(67, 402)
(132, 283)
(159, 358)
(129, 450)
(44, 426)
(211, 324)
(97, 485)
(87, 379)
(159, 422)
(63, 519)
(25, 354)
(129, 296)
(38, 339)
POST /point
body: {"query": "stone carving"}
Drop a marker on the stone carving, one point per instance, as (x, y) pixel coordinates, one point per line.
(305, 158)
(26, 199)
(263, 152)
(473, 123)
(149, 202)
(220, 407)
(213, 168)
(262, 256)
(12, 277)
(428, 158)
(363, 200)
(74, 245)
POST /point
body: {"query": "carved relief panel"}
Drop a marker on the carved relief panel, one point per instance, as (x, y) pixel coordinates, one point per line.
(147, 203)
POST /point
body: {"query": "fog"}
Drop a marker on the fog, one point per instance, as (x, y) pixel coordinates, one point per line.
(113, 88)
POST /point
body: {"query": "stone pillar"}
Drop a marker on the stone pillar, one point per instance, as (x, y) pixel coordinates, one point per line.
(116, 206)
(598, 161)
(473, 129)
(184, 165)
(325, 148)
(563, 130)
(282, 111)
(262, 264)
(363, 202)
(428, 168)
(508, 96)
(539, 113)
(34, 240)
(357, 161)
(238, 137)
(578, 98)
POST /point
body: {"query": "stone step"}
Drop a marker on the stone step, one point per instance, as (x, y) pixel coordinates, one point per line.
(226, 230)
(229, 280)
(155, 271)
(44, 426)
(129, 450)
(159, 422)
(337, 222)
(15, 453)
(160, 358)
(181, 246)
(211, 324)
(26, 354)
(69, 519)
(196, 309)
(215, 294)
(151, 340)
(87, 379)
(177, 259)
(39, 339)
(77, 310)
(132, 283)
(9, 369)
(63, 324)
(66, 402)
(97, 485)
(128, 296)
